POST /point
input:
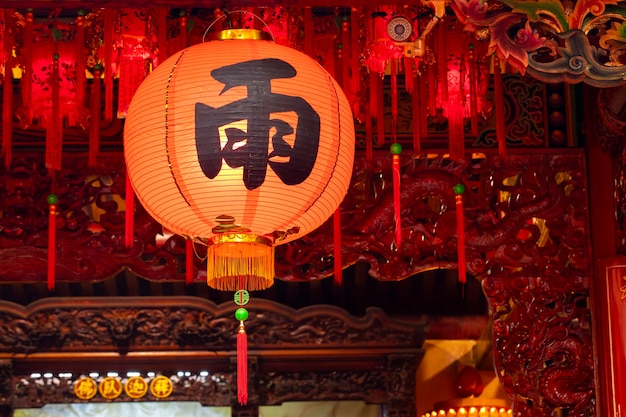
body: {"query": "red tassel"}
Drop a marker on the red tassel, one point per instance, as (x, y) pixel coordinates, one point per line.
(337, 246)
(498, 90)
(396, 150)
(94, 133)
(7, 111)
(108, 64)
(460, 232)
(189, 272)
(129, 236)
(242, 365)
(308, 31)
(52, 231)
(80, 58)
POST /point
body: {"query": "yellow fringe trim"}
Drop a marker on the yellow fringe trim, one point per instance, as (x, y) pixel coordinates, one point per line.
(237, 261)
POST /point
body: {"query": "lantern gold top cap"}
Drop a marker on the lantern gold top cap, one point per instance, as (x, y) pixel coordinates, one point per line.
(243, 34)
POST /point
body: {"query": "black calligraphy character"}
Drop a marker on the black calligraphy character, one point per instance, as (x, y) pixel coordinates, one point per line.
(250, 149)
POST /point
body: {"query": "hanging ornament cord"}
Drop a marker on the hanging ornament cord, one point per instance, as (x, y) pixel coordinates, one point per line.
(460, 232)
(241, 314)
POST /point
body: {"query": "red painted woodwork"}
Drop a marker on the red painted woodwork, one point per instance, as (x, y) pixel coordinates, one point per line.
(610, 321)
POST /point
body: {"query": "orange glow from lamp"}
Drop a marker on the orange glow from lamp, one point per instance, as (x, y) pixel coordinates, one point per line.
(471, 407)
(240, 144)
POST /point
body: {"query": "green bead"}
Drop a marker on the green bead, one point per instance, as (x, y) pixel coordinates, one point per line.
(52, 199)
(395, 149)
(241, 314)
(459, 189)
(55, 57)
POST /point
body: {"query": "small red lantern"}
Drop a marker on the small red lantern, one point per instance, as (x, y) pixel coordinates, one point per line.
(241, 144)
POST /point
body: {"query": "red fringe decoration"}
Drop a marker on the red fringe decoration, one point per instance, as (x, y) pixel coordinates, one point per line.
(129, 226)
(473, 92)
(162, 38)
(355, 66)
(393, 63)
(337, 246)
(460, 232)
(52, 233)
(456, 132)
(498, 90)
(94, 133)
(80, 60)
(380, 110)
(27, 78)
(7, 111)
(189, 272)
(308, 31)
(346, 61)
(242, 365)
(108, 64)
(416, 112)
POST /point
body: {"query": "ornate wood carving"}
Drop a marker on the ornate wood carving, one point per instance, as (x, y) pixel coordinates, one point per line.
(400, 385)
(188, 323)
(315, 353)
(543, 344)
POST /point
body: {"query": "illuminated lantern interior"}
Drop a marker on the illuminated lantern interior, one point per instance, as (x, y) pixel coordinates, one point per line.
(240, 144)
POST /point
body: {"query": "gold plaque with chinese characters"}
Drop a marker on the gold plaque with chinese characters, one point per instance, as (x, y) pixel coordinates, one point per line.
(136, 387)
(161, 387)
(85, 388)
(110, 388)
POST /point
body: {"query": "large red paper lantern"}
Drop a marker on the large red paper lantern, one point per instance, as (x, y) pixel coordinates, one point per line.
(241, 144)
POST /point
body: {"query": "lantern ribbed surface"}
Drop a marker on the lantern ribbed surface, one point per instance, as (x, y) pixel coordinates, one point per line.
(247, 129)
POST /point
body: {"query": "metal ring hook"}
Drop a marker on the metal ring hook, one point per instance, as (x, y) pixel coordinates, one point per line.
(237, 11)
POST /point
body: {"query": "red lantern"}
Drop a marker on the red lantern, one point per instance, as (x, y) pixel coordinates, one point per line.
(241, 144)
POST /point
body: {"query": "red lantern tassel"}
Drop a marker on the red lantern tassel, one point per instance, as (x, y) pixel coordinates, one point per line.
(460, 232)
(94, 133)
(27, 77)
(337, 246)
(308, 30)
(7, 110)
(242, 364)
(130, 214)
(498, 90)
(80, 58)
(189, 262)
(396, 150)
(108, 65)
(52, 232)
